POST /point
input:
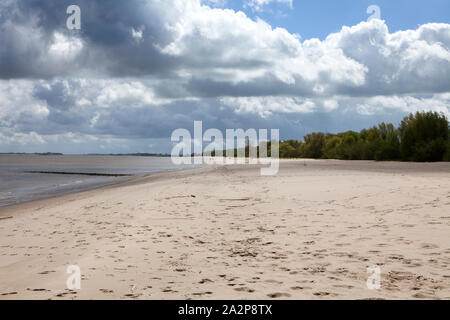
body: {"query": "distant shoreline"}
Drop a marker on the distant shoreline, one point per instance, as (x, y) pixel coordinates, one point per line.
(163, 155)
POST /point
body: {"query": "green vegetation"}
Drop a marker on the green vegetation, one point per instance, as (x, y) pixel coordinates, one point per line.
(424, 137)
(421, 137)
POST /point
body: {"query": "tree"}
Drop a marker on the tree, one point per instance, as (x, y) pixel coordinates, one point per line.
(387, 144)
(330, 148)
(447, 154)
(424, 137)
(421, 137)
(351, 147)
(314, 143)
(287, 151)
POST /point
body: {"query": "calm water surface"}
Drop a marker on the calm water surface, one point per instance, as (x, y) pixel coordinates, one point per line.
(21, 177)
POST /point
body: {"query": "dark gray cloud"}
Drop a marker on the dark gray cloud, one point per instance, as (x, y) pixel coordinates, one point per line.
(28, 28)
(213, 52)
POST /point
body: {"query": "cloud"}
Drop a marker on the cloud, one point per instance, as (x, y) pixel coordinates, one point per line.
(139, 69)
(266, 106)
(258, 5)
(215, 3)
(203, 52)
(413, 61)
(129, 109)
(407, 104)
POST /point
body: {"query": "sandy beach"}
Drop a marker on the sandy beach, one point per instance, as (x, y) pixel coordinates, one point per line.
(226, 232)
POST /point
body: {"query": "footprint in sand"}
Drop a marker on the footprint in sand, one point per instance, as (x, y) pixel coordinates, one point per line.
(244, 289)
(38, 290)
(202, 293)
(132, 295)
(321, 294)
(106, 290)
(343, 286)
(429, 246)
(46, 272)
(203, 281)
(274, 281)
(278, 295)
(300, 288)
(63, 294)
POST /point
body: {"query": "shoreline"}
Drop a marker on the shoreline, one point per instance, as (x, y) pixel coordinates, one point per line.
(28, 178)
(77, 194)
(414, 167)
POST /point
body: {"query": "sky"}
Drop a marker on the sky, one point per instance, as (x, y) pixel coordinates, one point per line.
(319, 18)
(139, 69)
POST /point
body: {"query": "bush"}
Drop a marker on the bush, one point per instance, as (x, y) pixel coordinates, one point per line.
(314, 143)
(424, 137)
(421, 137)
(447, 154)
(330, 148)
(290, 149)
(351, 147)
(388, 146)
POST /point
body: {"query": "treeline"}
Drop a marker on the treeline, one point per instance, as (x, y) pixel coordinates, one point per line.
(421, 137)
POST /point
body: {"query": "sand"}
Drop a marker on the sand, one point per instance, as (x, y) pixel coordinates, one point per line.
(225, 232)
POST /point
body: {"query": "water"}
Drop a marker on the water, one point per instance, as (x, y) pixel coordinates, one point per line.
(27, 177)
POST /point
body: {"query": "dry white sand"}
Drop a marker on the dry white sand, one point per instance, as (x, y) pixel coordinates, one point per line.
(228, 233)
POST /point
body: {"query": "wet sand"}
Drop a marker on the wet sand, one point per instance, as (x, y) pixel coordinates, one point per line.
(225, 232)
